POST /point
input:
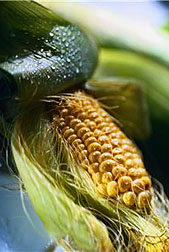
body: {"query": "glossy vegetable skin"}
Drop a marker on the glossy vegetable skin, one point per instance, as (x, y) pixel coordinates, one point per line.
(43, 52)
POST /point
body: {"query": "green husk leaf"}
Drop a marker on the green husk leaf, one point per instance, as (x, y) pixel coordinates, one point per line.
(42, 51)
(153, 78)
(124, 100)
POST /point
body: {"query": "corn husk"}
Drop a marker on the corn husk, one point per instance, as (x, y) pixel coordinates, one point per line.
(58, 188)
(42, 51)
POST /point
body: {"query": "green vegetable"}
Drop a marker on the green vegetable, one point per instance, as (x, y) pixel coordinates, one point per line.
(42, 51)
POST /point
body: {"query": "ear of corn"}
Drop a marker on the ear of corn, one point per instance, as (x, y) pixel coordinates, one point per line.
(131, 221)
(124, 100)
(101, 147)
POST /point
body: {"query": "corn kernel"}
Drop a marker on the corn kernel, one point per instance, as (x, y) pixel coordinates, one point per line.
(119, 171)
(112, 189)
(144, 199)
(107, 165)
(129, 198)
(107, 177)
(138, 186)
(124, 183)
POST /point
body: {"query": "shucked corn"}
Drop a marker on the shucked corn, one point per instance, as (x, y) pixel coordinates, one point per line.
(112, 160)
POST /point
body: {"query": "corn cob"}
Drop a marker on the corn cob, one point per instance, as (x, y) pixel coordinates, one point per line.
(112, 160)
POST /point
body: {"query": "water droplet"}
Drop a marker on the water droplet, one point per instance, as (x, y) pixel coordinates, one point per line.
(64, 76)
(66, 44)
(77, 70)
(68, 60)
(51, 34)
(48, 54)
(53, 67)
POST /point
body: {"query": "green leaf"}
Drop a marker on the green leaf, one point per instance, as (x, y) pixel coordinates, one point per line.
(43, 52)
(153, 78)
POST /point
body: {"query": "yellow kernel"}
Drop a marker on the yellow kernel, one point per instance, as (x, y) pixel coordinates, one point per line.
(126, 147)
(94, 156)
(72, 138)
(68, 119)
(79, 126)
(68, 133)
(129, 198)
(107, 177)
(74, 122)
(87, 135)
(90, 140)
(95, 167)
(138, 186)
(119, 171)
(91, 125)
(94, 147)
(114, 128)
(119, 158)
(126, 141)
(82, 131)
(137, 172)
(101, 188)
(82, 115)
(112, 189)
(107, 165)
(102, 125)
(115, 142)
(64, 129)
(97, 178)
(106, 148)
(105, 156)
(117, 151)
(128, 155)
(98, 120)
(97, 132)
(144, 199)
(138, 162)
(64, 112)
(114, 135)
(93, 115)
(103, 139)
(81, 147)
(124, 183)
(107, 130)
(129, 163)
(76, 142)
(147, 182)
